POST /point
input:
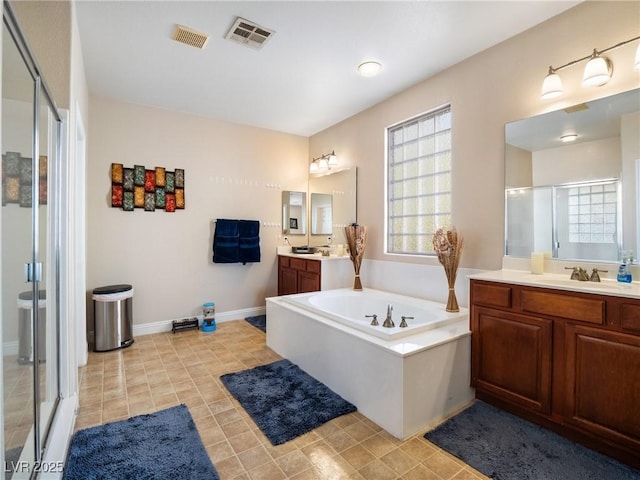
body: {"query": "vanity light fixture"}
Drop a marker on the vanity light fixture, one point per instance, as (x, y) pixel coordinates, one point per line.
(597, 72)
(323, 162)
(569, 137)
(369, 69)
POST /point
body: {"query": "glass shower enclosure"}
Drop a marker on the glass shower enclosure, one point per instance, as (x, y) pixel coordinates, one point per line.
(29, 214)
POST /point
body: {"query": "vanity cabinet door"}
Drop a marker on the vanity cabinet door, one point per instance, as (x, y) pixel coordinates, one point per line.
(287, 281)
(603, 383)
(298, 275)
(308, 282)
(511, 357)
(287, 277)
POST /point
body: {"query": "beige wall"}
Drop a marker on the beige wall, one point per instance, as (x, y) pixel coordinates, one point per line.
(499, 85)
(231, 171)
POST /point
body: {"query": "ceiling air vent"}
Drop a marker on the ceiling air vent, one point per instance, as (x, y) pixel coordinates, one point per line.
(248, 33)
(191, 37)
(577, 108)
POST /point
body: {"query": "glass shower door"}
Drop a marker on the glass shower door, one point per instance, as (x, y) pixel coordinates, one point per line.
(17, 250)
(29, 239)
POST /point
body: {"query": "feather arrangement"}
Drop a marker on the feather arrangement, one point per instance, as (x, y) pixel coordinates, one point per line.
(447, 245)
(357, 241)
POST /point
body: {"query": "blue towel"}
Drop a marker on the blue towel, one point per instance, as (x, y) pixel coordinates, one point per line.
(249, 231)
(226, 241)
(236, 241)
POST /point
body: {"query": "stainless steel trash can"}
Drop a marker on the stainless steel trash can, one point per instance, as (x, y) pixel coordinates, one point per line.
(112, 317)
(25, 326)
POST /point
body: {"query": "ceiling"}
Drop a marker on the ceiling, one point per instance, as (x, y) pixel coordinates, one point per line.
(305, 77)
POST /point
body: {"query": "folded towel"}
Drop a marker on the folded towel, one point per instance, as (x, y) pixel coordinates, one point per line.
(249, 231)
(227, 228)
(249, 249)
(226, 242)
(248, 228)
(236, 241)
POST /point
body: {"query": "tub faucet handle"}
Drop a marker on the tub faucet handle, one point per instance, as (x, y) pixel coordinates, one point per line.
(388, 322)
(374, 322)
(403, 323)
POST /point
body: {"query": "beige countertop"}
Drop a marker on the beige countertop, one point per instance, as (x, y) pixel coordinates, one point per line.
(286, 252)
(561, 282)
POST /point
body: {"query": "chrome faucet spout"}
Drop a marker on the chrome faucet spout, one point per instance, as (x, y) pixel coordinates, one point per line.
(388, 322)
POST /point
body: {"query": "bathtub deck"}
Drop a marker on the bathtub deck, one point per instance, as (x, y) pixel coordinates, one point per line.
(405, 386)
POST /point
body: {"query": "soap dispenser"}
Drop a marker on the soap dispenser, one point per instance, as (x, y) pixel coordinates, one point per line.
(624, 274)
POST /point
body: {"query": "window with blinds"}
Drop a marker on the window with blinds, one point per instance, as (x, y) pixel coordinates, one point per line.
(418, 181)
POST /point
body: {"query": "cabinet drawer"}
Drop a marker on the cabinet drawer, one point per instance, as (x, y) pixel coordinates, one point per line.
(492, 295)
(563, 306)
(297, 263)
(283, 261)
(313, 266)
(630, 316)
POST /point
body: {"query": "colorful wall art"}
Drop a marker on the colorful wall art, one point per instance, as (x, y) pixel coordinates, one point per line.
(151, 190)
(17, 180)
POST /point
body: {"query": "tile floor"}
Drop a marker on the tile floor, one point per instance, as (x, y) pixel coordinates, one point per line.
(167, 369)
(18, 401)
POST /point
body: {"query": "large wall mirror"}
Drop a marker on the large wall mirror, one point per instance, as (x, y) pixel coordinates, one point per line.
(572, 181)
(333, 205)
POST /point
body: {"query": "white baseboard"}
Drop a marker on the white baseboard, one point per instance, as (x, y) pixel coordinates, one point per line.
(165, 325)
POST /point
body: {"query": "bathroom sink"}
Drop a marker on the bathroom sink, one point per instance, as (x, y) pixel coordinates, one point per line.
(303, 250)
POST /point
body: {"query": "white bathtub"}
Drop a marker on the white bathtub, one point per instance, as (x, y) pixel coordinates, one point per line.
(351, 308)
(405, 380)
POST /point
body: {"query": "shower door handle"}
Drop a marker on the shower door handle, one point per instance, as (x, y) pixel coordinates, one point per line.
(32, 272)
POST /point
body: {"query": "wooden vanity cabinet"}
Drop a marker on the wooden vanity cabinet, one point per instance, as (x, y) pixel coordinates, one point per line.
(298, 275)
(513, 357)
(569, 361)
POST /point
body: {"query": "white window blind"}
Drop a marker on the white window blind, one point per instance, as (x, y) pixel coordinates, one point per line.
(418, 181)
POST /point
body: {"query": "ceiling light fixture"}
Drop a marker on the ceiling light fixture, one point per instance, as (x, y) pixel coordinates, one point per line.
(597, 72)
(369, 69)
(569, 137)
(323, 162)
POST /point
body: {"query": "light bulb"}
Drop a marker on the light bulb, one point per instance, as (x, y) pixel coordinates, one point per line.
(552, 85)
(597, 72)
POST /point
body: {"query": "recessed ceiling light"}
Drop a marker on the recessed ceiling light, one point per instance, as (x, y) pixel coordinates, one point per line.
(369, 69)
(571, 137)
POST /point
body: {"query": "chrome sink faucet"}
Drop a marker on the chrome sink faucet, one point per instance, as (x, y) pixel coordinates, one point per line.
(388, 323)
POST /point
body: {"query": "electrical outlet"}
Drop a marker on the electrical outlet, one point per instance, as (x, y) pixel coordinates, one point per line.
(329, 240)
(285, 239)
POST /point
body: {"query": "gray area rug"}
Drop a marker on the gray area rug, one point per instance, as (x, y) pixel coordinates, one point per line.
(284, 401)
(259, 321)
(506, 447)
(159, 446)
